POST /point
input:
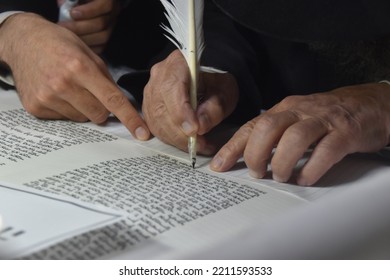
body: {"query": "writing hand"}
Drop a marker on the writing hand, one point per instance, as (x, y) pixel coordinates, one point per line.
(343, 121)
(93, 22)
(167, 109)
(58, 77)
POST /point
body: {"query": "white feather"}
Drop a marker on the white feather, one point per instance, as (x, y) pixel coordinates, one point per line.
(185, 18)
(179, 18)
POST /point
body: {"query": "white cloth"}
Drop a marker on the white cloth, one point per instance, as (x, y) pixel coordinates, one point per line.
(5, 74)
(5, 15)
(385, 81)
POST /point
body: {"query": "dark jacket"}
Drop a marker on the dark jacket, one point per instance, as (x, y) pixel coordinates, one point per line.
(306, 46)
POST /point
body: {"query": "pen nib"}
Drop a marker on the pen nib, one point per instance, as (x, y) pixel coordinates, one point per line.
(193, 162)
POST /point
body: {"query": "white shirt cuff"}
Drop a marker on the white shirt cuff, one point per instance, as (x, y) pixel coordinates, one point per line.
(5, 15)
(5, 74)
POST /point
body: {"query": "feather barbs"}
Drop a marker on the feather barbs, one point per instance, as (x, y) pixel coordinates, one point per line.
(178, 13)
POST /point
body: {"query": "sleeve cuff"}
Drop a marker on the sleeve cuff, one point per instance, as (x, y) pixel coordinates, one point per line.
(385, 82)
(5, 73)
(5, 15)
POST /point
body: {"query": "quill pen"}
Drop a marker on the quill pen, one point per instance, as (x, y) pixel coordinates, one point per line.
(185, 18)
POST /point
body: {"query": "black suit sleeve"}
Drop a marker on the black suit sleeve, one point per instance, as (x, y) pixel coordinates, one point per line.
(45, 8)
(228, 50)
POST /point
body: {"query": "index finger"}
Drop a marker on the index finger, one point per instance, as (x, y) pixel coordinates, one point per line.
(230, 153)
(116, 102)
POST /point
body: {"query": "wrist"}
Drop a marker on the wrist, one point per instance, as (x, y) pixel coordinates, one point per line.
(13, 33)
(5, 71)
(4, 17)
(12, 30)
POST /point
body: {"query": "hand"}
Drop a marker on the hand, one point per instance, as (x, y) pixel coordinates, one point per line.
(93, 22)
(343, 121)
(167, 109)
(58, 77)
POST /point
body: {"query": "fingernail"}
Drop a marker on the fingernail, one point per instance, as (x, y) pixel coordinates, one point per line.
(204, 120)
(216, 163)
(187, 128)
(256, 174)
(76, 14)
(141, 133)
(278, 179)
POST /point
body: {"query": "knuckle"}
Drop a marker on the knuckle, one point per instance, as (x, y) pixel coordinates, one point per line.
(294, 134)
(75, 65)
(43, 98)
(154, 115)
(147, 91)
(33, 109)
(36, 109)
(174, 56)
(290, 101)
(99, 116)
(286, 102)
(246, 129)
(265, 123)
(156, 69)
(159, 110)
(58, 84)
(115, 100)
(344, 120)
